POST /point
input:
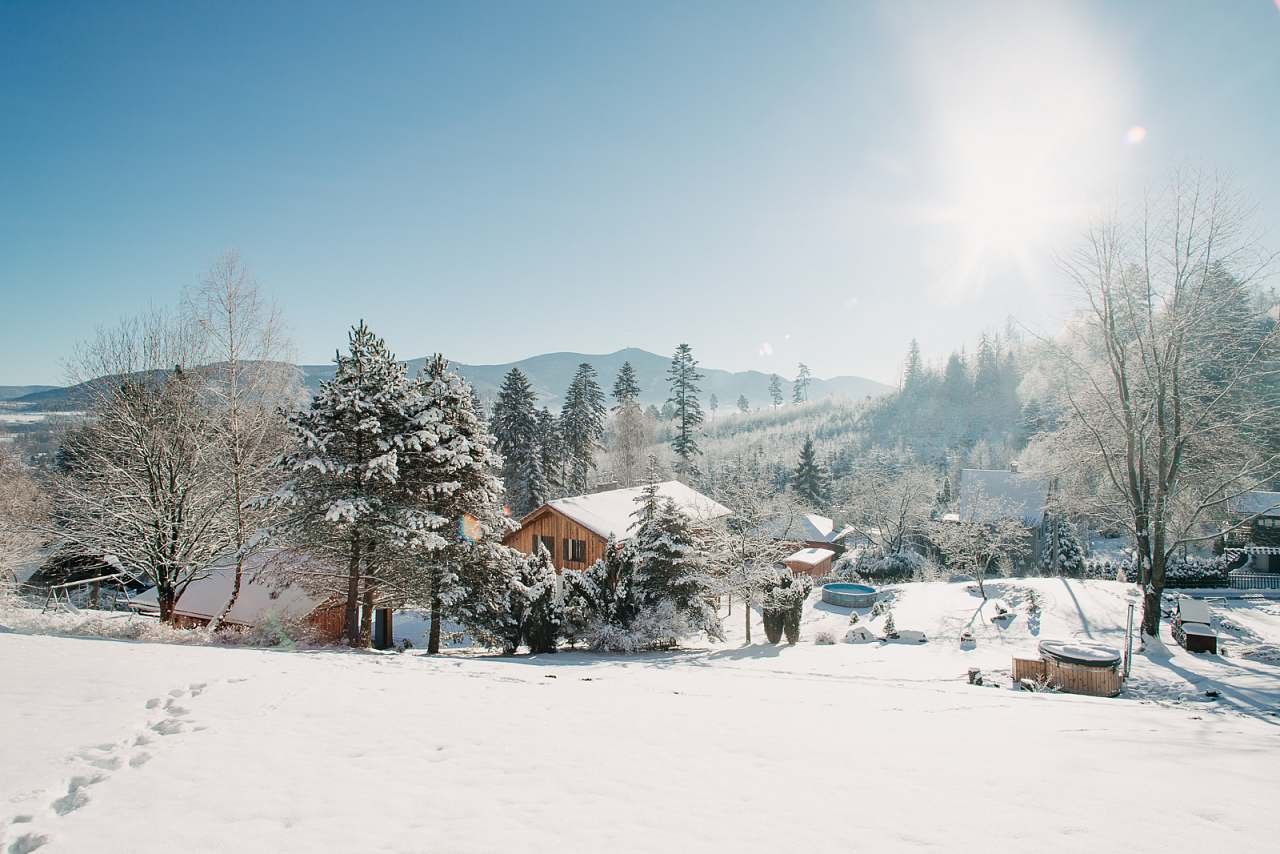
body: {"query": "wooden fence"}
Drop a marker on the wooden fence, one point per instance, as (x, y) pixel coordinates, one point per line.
(1255, 581)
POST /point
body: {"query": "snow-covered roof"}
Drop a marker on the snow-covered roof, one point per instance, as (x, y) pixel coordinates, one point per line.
(610, 514)
(809, 557)
(1256, 503)
(1193, 611)
(262, 591)
(990, 494)
(804, 528)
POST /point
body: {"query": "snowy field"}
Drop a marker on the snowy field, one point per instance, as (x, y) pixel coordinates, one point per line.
(135, 747)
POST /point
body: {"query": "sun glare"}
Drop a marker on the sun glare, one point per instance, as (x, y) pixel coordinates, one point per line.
(1023, 138)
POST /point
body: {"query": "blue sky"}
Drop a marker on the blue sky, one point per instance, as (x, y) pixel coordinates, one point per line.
(771, 182)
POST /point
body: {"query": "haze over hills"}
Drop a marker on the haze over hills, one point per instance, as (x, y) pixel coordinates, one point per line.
(550, 374)
(13, 392)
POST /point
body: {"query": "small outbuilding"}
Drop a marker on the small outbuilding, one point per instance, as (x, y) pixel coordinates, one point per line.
(814, 562)
(266, 594)
(1193, 626)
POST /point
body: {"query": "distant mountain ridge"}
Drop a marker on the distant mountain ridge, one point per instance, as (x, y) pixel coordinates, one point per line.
(13, 392)
(550, 374)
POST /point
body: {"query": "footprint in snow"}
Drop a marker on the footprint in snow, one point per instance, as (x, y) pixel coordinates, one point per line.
(76, 796)
(196, 688)
(142, 740)
(153, 702)
(168, 726)
(140, 759)
(177, 692)
(174, 709)
(28, 842)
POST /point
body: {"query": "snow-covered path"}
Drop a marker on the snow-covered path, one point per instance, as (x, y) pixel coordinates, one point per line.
(128, 747)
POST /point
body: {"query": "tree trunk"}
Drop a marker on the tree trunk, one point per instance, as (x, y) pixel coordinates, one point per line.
(236, 581)
(366, 615)
(351, 626)
(166, 599)
(1152, 592)
(746, 607)
(433, 640)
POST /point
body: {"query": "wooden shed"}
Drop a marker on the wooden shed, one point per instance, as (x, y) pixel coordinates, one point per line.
(576, 530)
(815, 562)
(266, 594)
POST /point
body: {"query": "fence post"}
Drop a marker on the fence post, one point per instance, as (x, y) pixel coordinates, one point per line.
(1128, 642)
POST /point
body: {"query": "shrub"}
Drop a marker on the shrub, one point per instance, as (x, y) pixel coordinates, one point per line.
(782, 604)
(1192, 572)
(890, 630)
(824, 637)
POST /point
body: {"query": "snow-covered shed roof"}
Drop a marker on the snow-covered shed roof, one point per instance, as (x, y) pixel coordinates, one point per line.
(805, 528)
(1194, 611)
(262, 590)
(990, 494)
(1255, 503)
(610, 514)
(809, 557)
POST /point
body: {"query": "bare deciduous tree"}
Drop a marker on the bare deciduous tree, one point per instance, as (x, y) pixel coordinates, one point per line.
(251, 385)
(984, 534)
(887, 500)
(135, 485)
(24, 508)
(1166, 374)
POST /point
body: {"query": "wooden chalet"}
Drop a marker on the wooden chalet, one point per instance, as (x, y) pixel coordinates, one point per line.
(576, 530)
(1255, 531)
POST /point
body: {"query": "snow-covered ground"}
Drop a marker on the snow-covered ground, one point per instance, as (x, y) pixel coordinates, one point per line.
(123, 746)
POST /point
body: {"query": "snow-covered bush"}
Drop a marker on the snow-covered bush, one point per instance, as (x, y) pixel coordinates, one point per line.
(1070, 549)
(899, 566)
(890, 630)
(1191, 572)
(513, 599)
(824, 637)
(782, 605)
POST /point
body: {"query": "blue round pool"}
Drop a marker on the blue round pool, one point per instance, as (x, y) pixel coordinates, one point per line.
(849, 595)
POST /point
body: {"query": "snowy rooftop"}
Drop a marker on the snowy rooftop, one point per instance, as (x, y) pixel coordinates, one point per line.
(1193, 611)
(990, 494)
(1256, 503)
(807, 528)
(609, 514)
(809, 557)
(262, 590)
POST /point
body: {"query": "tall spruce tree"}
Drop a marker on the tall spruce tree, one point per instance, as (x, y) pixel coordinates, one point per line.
(713, 404)
(686, 410)
(775, 389)
(800, 388)
(554, 454)
(582, 428)
(625, 385)
(343, 495)
(743, 404)
(448, 470)
(517, 434)
(809, 482)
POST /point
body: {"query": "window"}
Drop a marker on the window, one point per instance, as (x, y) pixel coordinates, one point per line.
(548, 543)
(575, 550)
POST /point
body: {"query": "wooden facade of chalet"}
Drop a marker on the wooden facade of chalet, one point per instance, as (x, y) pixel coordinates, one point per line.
(570, 545)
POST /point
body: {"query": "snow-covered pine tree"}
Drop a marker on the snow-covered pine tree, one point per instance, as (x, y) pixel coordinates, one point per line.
(775, 389)
(686, 410)
(913, 370)
(554, 453)
(343, 496)
(447, 466)
(539, 591)
(800, 388)
(1063, 551)
(517, 436)
(625, 385)
(809, 482)
(744, 405)
(890, 629)
(582, 428)
(670, 572)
